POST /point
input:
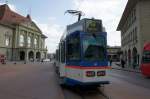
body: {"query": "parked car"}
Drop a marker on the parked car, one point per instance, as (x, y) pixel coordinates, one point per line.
(2, 59)
(46, 60)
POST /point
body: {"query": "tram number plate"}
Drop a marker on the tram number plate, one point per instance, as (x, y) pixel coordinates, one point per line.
(101, 73)
(90, 73)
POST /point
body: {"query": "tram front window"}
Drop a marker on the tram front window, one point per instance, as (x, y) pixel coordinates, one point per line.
(73, 49)
(94, 48)
(146, 57)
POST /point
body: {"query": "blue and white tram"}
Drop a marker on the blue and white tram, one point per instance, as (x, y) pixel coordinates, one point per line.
(82, 54)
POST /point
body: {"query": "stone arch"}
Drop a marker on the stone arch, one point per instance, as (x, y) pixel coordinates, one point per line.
(38, 56)
(31, 56)
(22, 55)
(134, 56)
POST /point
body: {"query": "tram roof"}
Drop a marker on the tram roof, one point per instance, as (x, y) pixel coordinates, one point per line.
(83, 26)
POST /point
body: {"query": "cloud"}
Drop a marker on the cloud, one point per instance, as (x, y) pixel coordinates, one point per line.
(53, 31)
(13, 7)
(109, 11)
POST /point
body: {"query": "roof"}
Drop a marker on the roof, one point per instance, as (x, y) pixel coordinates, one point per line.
(7, 16)
(44, 36)
(128, 8)
(10, 18)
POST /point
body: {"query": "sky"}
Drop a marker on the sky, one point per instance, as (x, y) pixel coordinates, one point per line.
(50, 18)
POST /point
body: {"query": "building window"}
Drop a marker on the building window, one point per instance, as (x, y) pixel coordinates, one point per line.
(21, 40)
(7, 41)
(29, 41)
(35, 42)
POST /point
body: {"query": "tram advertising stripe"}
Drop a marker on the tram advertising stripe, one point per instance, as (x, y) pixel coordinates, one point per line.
(91, 67)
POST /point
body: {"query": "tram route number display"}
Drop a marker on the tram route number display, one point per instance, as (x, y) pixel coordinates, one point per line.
(93, 26)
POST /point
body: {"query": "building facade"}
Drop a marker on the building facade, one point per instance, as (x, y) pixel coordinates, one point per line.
(113, 53)
(135, 30)
(20, 37)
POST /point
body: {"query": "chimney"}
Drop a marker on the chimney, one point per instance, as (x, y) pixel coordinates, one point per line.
(28, 17)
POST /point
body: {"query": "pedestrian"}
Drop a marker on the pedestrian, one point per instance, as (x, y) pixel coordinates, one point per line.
(110, 61)
(42, 60)
(122, 63)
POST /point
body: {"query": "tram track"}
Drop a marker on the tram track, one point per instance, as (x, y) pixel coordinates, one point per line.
(76, 93)
(79, 93)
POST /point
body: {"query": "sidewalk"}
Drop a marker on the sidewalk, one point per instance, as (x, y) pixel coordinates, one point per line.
(116, 65)
(12, 66)
(11, 63)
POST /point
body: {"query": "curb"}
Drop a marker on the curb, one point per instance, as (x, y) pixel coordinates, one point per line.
(127, 70)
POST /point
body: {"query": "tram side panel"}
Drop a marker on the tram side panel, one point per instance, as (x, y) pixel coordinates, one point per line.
(62, 63)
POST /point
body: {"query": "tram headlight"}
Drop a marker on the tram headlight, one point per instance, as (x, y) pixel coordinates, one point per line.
(101, 73)
(90, 73)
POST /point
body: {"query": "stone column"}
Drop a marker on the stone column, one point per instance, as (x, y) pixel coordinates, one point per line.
(26, 55)
(33, 40)
(15, 52)
(34, 55)
(39, 42)
(26, 43)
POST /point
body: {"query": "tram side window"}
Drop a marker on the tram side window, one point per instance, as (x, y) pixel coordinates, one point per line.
(57, 55)
(63, 52)
(146, 57)
(73, 49)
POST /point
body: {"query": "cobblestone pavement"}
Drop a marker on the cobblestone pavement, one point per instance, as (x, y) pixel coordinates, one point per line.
(39, 81)
(28, 81)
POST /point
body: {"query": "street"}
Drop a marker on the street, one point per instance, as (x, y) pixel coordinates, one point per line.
(39, 81)
(32, 81)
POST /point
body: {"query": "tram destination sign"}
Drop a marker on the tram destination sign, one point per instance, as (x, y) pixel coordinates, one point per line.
(86, 25)
(93, 26)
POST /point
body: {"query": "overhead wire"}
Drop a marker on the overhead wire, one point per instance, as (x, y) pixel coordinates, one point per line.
(78, 7)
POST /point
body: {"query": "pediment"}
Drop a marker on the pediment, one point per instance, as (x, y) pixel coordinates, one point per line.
(32, 26)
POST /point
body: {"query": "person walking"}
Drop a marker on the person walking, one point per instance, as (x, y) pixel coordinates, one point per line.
(122, 63)
(110, 61)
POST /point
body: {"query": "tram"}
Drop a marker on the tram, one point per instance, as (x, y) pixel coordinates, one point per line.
(145, 64)
(81, 58)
